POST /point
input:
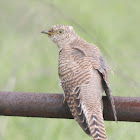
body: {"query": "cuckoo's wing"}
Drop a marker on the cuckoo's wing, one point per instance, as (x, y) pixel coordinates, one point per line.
(99, 64)
(103, 71)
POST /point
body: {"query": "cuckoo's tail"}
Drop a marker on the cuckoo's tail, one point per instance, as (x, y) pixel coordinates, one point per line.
(110, 98)
(107, 89)
(96, 127)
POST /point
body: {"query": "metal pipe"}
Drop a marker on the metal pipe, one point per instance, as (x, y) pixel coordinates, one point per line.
(50, 106)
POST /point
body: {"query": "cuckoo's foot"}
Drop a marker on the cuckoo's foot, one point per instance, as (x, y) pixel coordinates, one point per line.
(64, 100)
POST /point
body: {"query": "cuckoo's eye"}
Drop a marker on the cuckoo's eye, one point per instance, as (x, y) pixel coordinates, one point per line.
(60, 31)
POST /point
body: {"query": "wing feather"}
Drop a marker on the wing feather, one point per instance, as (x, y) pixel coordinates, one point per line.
(103, 71)
(99, 63)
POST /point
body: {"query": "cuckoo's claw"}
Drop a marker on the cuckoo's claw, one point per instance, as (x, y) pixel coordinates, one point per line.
(64, 100)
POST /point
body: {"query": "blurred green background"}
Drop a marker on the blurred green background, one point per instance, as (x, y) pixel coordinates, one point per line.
(29, 60)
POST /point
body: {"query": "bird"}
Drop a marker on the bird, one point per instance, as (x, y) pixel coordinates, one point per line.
(83, 73)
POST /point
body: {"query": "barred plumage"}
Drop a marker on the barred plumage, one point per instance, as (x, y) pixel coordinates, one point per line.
(83, 74)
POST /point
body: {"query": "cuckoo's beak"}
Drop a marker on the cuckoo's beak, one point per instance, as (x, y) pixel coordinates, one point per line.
(48, 32)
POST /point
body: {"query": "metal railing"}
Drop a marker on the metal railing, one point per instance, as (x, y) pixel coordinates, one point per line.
(51, 106)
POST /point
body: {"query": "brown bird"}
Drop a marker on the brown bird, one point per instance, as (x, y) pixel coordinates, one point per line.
(83, 74)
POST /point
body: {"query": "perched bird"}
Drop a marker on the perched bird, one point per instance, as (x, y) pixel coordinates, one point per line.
(83, 74)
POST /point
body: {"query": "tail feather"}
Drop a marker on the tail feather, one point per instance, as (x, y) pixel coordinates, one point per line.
(107, 89)
(96, 126)
(109, 95)
(95, 121)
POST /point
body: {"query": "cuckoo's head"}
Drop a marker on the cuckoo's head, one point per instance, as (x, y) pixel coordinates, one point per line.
(61, 34)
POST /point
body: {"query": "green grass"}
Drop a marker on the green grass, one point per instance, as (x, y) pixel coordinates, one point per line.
(28, 59)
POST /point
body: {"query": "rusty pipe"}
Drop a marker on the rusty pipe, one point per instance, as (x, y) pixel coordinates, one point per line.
(50, 106)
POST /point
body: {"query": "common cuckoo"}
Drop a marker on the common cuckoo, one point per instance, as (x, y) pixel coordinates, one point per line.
(83, 74)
